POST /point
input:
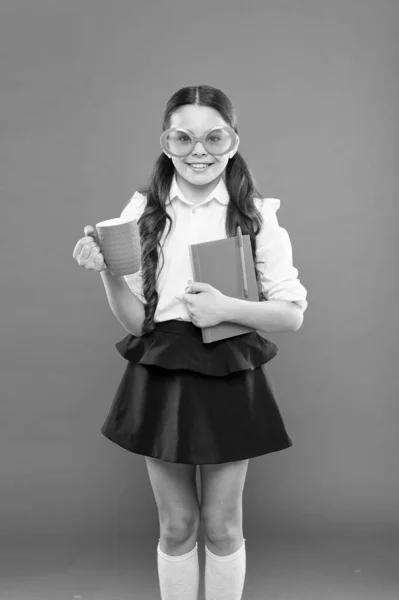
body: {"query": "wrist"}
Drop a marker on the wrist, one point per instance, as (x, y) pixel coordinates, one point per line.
(230, 308)
(106, 274)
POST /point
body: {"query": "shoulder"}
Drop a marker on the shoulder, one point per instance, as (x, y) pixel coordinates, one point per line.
(267, 206)
(271, 232)
(135, 207)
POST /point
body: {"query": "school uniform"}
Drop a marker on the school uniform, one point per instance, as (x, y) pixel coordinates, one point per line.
(184, 401)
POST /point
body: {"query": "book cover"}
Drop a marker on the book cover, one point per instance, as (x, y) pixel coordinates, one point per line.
(218, 263)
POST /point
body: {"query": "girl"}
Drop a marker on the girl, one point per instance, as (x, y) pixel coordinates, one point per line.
(180, 402)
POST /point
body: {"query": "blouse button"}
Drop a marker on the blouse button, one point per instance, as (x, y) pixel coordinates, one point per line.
(193, 210)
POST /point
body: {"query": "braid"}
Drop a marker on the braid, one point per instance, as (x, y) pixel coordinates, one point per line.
(151, 225)
(242, 210)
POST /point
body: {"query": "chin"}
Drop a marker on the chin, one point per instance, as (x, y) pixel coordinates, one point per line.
(199, 177)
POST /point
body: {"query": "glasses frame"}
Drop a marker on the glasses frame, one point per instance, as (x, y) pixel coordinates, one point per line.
(201, 138)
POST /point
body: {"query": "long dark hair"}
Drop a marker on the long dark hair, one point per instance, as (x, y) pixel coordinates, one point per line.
(240, 184)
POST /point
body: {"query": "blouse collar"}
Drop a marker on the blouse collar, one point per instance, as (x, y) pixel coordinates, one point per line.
(219, 193)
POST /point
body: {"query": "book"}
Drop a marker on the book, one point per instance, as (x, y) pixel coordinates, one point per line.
(226, 264)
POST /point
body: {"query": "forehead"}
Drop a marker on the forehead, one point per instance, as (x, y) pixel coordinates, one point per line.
(196, 118)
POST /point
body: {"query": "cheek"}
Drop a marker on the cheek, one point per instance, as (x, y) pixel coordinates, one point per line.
(179, 165)
(223, 163)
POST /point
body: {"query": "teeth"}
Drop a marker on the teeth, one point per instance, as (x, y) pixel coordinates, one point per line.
(200, 165)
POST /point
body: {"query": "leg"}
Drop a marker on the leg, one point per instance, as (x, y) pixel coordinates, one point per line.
(175, 492)
(221, 505)
(221, 512)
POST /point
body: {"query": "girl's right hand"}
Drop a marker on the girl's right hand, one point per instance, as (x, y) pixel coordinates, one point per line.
(87, 252)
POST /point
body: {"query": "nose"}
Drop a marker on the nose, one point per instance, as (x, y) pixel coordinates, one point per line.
(200, 150)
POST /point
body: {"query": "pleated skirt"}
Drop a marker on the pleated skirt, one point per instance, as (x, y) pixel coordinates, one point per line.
(183, 401)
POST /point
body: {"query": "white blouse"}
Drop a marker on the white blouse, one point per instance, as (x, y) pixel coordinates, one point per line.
(205, 222)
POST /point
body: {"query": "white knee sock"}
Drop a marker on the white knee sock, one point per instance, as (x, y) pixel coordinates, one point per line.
(178, 575)
(225, 575)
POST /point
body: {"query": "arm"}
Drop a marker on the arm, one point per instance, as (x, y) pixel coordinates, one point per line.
(127, 308)
(126, 304)
(274, 315)
(286, 296)
(278, 277)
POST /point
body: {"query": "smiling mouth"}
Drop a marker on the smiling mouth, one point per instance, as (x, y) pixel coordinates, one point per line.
(199, 166)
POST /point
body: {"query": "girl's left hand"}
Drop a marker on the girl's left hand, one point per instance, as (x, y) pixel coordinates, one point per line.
(205, 304)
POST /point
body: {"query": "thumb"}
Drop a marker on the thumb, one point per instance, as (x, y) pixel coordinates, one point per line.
(197, 286)
(90, 231)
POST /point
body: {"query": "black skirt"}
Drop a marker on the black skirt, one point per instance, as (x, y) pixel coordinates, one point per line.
(184, 401)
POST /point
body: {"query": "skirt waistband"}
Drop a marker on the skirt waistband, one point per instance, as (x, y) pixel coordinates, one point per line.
(177, 326)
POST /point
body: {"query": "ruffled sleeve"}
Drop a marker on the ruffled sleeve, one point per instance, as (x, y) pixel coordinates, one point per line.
(134, 210)
(279, 278)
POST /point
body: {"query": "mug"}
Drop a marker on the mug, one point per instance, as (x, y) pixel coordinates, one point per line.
(119, 241)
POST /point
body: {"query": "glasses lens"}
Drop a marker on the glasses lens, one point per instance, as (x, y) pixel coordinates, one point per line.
(181, 143)
(218, 141)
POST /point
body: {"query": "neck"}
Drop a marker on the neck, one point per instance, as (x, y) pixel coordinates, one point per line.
(196, 193)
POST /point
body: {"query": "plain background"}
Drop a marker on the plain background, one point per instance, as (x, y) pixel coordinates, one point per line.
(83, 89)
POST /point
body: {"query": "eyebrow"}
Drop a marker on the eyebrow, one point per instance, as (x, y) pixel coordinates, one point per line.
(203, 131)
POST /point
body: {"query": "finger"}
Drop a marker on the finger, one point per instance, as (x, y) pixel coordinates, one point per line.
(89, 263)
(81, 244)
(85, 254)
(188, 299)
(197, 287)
(89, 230)
(86, 250)
(99, 261)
